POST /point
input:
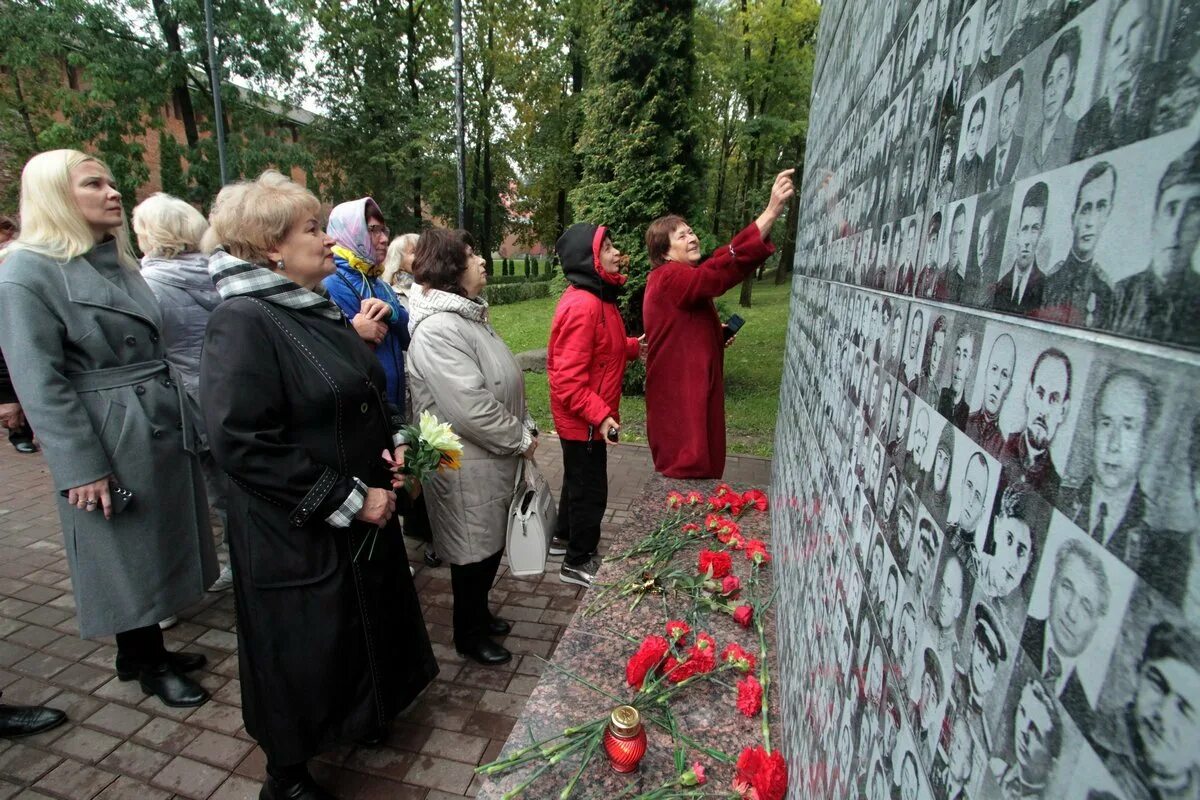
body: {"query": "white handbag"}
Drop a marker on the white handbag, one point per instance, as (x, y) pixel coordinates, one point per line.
(531, 521)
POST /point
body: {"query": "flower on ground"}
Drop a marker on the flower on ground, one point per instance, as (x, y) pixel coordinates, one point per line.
(727, 530)
(647, 657)
(694, 776)
(674, 500)
(693, 498)
(690, 527)
(756, 498)
(743, 615)
(730, 585)
(723, 489)
(718, 503)
(713, 521)
(701, 658)
(677, 630)
(715, 562)
(736, 655)
(736, 506)
(735, 541)
(761, 775)
(756, 551)
(749, 696)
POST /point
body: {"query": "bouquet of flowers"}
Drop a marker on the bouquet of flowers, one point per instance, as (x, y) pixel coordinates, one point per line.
(432, 447)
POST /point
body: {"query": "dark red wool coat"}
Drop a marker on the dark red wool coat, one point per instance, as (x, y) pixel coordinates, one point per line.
(685, 371)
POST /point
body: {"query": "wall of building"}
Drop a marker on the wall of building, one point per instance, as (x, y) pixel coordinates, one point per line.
(989, 430)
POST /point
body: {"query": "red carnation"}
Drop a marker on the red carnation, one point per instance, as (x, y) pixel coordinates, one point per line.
(738, 657)
(690, 527)
(718, 503)
(749, 696)
(674, 500)
(713, 521)
(756, 498)
(761, 775)
(723, 489)
(727, 529)
(648, 656)
(701, 658)
(756, 551)
(693, 498)
(718, 563)
(743, 615)
(736, 541)
(677, 630)
(730, 585)
(736, 505)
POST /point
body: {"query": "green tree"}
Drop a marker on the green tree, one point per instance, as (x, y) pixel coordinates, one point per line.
(637, 142)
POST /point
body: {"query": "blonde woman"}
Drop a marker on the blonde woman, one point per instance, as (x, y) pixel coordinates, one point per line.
(83, 338)
(331, 641)
(398, 265)
(169, 232)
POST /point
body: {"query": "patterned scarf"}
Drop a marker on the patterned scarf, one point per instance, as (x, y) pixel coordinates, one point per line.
(234, 277)
(348, 228)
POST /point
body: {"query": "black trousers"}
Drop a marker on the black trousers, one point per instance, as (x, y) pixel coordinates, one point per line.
(471, 584)
(584, 497)
(142, 644)
(416, 521)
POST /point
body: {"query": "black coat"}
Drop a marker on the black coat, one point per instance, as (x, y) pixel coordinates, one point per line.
(330, 648)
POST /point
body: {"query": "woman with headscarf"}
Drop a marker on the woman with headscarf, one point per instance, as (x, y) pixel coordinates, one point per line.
(360, 245)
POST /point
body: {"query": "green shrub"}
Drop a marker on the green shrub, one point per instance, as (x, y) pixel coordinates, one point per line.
(505, 293)
(506, 279)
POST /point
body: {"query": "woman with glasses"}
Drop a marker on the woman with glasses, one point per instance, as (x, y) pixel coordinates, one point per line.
(360, 245)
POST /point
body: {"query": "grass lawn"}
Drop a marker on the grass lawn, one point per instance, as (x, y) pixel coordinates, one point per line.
(753, 366)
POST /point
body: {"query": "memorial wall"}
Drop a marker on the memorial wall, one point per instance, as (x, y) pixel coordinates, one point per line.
(988, 455)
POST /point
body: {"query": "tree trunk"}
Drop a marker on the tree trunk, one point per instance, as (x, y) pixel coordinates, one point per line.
(787, 255)
(23, 110)
(485, 132)
(179, 89)
(723, 166)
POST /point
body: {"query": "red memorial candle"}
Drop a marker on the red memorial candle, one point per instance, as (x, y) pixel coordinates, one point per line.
(624, 739)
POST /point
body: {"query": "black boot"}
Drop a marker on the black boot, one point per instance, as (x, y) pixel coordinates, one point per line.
(294, 783)
(173, 689)
(129, 667)
(485, 651)
(18, 721)
(497, 626)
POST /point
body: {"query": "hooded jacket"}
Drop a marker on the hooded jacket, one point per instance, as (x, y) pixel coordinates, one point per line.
(186, 295)
(588, 347)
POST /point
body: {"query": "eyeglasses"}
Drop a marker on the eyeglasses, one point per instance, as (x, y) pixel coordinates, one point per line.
(375, 230)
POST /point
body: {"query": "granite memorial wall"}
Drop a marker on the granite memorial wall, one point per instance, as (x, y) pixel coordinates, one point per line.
(988, 455)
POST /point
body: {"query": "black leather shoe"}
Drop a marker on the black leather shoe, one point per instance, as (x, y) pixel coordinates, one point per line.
(499, 627)
(432, 559)
(27, 720)
(26, 447)
(128, 668)
(486, 652)
(171, 688)
(302, 789)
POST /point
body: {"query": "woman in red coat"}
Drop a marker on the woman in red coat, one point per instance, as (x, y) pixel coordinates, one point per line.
(685, 370)
(586, 364)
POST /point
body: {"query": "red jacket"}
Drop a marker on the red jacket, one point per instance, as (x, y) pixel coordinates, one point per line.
(588, 347)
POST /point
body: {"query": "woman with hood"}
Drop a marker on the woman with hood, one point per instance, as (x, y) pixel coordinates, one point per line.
(169, 232)
(360, 245)
(586, 366)
(685, 367)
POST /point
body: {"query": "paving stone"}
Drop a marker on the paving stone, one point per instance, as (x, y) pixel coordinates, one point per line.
(502, 703)
(440, 773)
(134, 759)
(236, 787)
(86, 744)
(75, 780)
(126, 788)
(217, 749)
(383, 761)
(374, 788)
(493, 726)
(118, 719)
(189, 778)
(166, 734)
(455, 746)
(26, 764)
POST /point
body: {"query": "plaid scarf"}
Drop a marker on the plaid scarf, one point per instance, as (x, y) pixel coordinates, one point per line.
(234, 277)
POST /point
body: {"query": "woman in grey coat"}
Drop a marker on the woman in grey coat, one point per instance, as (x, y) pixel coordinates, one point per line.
(83, 340)
(461, 371)
(169, 232)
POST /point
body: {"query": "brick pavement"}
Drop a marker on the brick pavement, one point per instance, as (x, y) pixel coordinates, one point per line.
(121, 745)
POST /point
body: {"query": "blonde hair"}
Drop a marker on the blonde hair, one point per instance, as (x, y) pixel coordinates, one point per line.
(51, 223)
(250, 218)
(393, 265)
(166, 226)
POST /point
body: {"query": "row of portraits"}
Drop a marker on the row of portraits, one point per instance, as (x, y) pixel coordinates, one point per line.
(1047, 181)
(989, 582)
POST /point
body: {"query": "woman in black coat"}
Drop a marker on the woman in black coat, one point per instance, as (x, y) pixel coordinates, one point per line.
(331, 641)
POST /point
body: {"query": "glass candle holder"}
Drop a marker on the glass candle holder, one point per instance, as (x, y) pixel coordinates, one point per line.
(624, 739)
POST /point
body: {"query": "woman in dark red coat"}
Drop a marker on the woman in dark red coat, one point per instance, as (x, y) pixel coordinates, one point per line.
(586, 364)
(685, 370)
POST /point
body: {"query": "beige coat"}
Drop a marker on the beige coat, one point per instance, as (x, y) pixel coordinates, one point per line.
(460, 370)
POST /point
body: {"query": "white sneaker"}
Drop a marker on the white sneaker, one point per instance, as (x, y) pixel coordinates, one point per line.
(224, 580)
(169, 622)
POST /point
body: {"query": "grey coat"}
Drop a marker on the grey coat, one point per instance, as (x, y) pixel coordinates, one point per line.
(460, 370)
(186, 297)
(82, 339)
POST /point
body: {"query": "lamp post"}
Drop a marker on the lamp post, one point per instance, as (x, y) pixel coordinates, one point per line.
(214, 71)
(460, 141)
